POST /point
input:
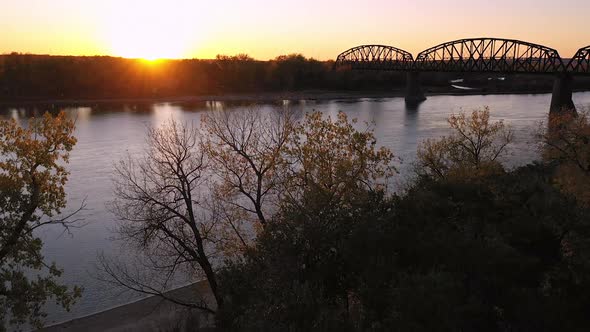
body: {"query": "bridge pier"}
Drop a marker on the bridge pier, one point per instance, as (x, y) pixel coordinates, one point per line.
(561, 99)
(414, 93)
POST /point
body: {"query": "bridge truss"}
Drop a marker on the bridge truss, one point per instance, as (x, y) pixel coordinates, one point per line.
(490, 55)
(580, 63)
(485, 55)
(375, 57)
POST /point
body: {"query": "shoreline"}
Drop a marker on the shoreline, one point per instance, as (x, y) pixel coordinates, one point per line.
(149, 313)
(263, 97)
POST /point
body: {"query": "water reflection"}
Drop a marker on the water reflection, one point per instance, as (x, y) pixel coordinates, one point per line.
(413, 105)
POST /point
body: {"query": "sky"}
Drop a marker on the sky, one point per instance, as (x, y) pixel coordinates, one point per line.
(265, 29)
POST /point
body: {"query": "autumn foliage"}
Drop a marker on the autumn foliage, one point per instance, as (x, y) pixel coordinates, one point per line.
(334, 163)
(567, 142)
(32, 179)
(473, 149)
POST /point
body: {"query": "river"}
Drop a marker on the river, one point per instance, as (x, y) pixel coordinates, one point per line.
(107, 132)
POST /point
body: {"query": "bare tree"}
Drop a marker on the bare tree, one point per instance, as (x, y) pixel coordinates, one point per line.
(158, 201)
(247, 150)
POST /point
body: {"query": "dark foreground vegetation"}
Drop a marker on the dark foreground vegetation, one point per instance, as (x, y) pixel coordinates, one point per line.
(469, 246)
(297, 231)
(41, 77)
(508, 253)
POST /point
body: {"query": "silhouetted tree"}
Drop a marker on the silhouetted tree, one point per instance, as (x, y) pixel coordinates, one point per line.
(247, 148)
(159, 203)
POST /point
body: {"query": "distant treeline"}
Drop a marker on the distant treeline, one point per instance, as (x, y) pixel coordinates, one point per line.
(40, 76)
(26, 77)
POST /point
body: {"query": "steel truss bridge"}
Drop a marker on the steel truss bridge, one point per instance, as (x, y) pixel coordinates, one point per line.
(475, 55)
(580, 63)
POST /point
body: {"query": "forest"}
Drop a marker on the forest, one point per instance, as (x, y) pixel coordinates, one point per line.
(26, 77)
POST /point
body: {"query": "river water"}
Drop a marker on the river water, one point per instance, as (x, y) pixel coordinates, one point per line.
(107, 132)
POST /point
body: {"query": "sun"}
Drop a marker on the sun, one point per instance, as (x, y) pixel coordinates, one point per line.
(149, 30)
(149, 46)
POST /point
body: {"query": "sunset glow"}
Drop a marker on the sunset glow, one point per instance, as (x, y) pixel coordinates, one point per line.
(149, 30)
(265, 29)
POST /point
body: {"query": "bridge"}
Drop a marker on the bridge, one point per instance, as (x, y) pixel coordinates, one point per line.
(475, 55)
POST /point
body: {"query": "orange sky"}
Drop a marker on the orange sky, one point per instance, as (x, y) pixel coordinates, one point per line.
(265, 29)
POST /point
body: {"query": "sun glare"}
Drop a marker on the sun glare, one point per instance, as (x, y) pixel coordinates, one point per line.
(149, 31)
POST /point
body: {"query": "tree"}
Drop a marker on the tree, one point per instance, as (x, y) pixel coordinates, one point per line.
(296, 276)
(246, 157)
(159, 203)
(263, 161)
(247, 149)
(471, 255)
(444, 256)
(566, 141)
(472, 150)
(32, 195)
(506, 253)
(336, 163)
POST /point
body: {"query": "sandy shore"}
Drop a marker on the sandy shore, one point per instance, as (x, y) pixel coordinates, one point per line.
(150, 314)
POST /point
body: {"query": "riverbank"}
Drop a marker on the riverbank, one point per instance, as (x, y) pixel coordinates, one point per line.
(149, 314)
(262, 97)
